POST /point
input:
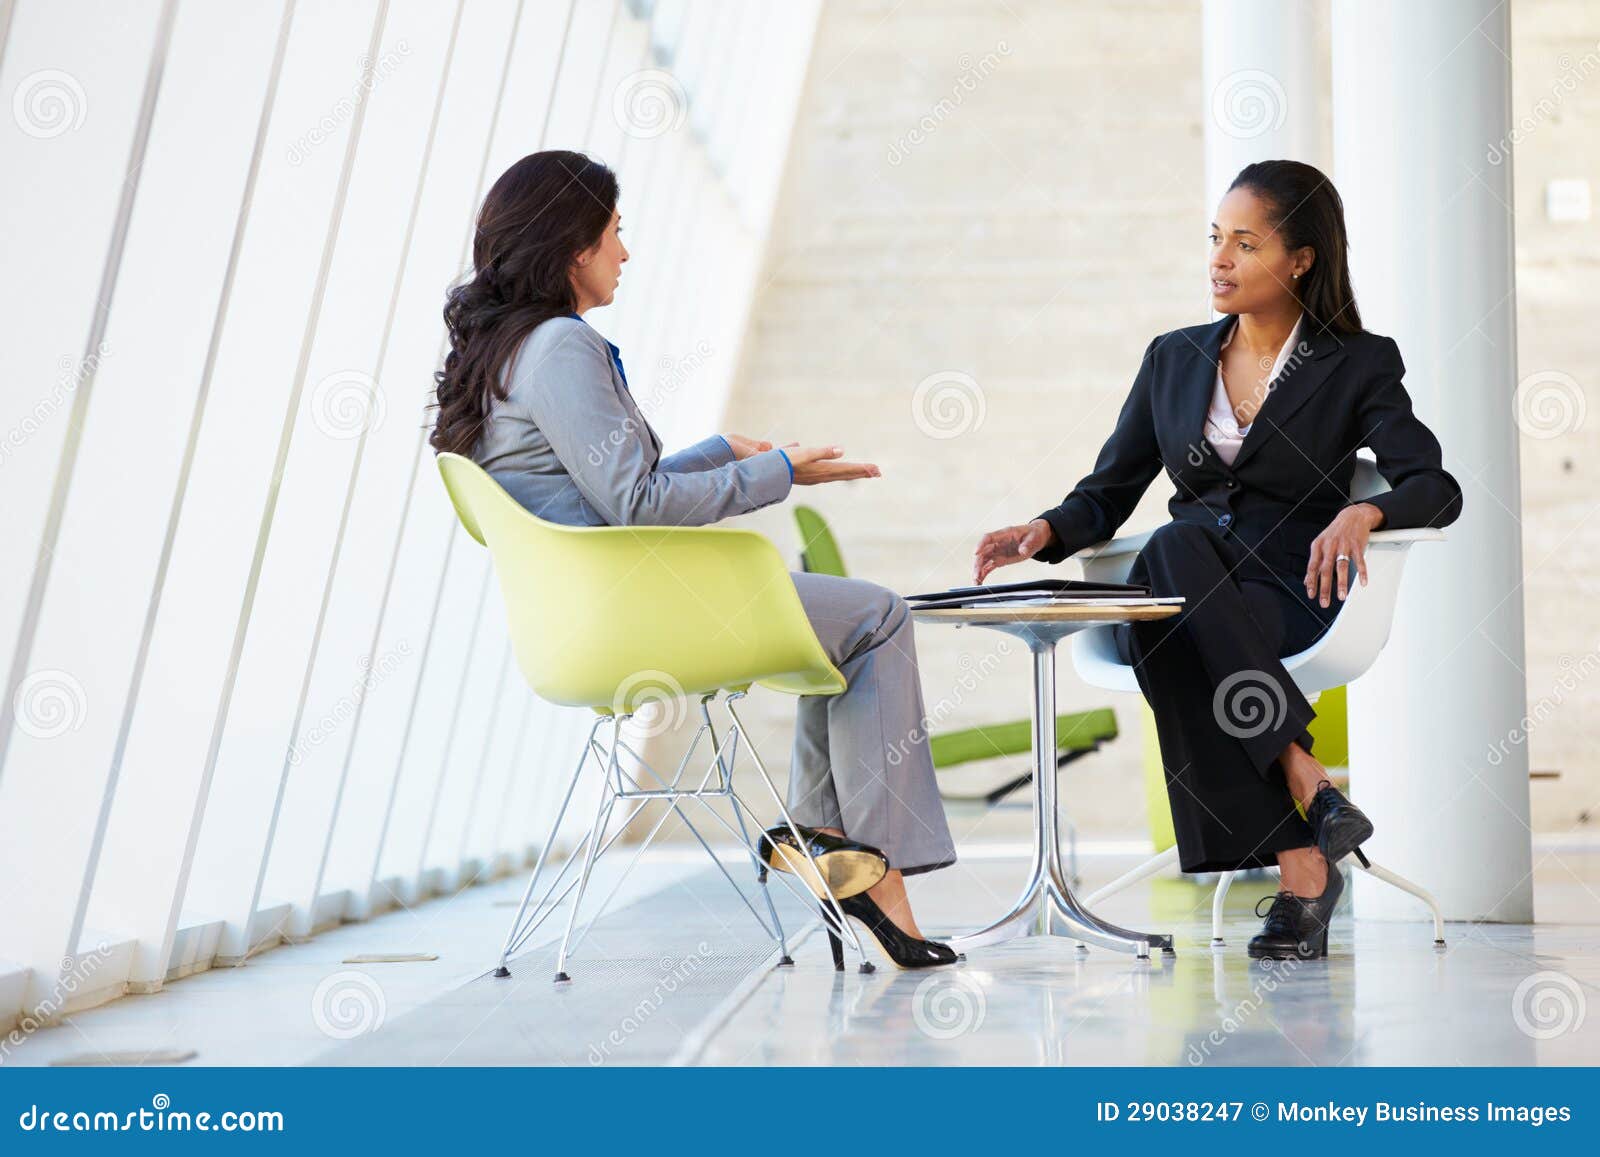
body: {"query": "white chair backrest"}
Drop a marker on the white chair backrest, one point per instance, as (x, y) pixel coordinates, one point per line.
(1367, 481)
(1342, 654)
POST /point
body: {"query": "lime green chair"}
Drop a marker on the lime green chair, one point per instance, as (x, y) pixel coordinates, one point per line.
(1077, 733)
(633, 622)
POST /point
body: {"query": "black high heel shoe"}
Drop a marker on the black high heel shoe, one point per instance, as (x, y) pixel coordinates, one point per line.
(1340, 826)
(1296, 927)
(905, 951)
(848, 866)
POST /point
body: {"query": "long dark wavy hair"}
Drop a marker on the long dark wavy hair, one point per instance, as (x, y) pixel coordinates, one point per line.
(542, 212)
(1304, 208)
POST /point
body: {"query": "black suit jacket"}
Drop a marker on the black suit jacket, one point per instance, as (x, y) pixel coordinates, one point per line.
(1336, 393)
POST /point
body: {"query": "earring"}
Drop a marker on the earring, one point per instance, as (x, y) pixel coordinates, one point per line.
(1294, 275)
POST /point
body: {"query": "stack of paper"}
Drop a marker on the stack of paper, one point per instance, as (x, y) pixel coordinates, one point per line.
(1043, 592)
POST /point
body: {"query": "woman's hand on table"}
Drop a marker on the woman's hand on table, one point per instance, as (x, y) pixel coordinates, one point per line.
(1347, 534)
(1011, 544)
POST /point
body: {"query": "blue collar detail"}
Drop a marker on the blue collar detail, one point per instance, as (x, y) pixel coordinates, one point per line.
(616, 354)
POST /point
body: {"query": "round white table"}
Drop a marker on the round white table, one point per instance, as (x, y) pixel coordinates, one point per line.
(1047, 906)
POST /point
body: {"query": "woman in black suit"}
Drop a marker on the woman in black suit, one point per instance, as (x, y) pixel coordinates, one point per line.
(1256, 418)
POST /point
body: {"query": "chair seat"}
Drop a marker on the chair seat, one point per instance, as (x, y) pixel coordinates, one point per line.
(615, 617)
(1345, 650)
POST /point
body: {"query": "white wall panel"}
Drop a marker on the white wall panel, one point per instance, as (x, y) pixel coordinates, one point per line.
(486, 806)
(402, 616)
(211, 585)
(467, 745)
(139, 442)
(76, 76)
(94, 616)
(226, 882)
(433, 710)
(284, 667)
(345, 406)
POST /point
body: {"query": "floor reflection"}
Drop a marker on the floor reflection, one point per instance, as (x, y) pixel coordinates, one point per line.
(1494, 994)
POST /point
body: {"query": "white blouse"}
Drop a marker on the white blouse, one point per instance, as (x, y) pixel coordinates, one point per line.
(1222, 427)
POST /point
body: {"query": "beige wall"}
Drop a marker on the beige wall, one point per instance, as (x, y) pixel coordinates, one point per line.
(1556, 87)
(1046, 226)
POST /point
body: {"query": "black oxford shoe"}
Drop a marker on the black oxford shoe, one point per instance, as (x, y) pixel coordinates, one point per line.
(1339, 825)
(1296, 927)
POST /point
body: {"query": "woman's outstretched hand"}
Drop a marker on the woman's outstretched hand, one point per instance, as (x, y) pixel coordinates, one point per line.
(1012, 544)
(745, 447)
(1347, 534)
(818, 464)
(812, 466)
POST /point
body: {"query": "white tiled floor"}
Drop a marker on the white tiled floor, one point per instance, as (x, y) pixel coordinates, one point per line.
(268, 1011)
(1495, 995)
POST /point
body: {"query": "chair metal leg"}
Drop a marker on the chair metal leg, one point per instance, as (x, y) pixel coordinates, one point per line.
(741, 809)
(1151, 867)
(601, 820)
(618, 785)
(546, 904)
(1144, 871)
(544, 853)
(835, 911)
(1406, 885)
(1219, 900)
(784, 959)
(674, 808)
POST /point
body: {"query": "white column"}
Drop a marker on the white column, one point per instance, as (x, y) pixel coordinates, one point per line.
(1260, 88)
(1421, 118)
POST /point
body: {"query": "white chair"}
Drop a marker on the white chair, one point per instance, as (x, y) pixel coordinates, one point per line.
(1340, 656)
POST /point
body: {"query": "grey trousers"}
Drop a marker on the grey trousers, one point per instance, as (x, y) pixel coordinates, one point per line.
(861, 761)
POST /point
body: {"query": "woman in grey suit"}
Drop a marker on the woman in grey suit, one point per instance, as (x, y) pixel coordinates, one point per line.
(541, 401)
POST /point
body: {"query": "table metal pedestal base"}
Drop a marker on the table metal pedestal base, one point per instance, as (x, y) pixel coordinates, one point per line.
(1047, 906)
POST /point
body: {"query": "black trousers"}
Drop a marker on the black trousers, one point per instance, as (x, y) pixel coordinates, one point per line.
(1224, 705)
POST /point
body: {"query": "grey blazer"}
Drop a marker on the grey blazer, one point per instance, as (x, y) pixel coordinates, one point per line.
(571, 446)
